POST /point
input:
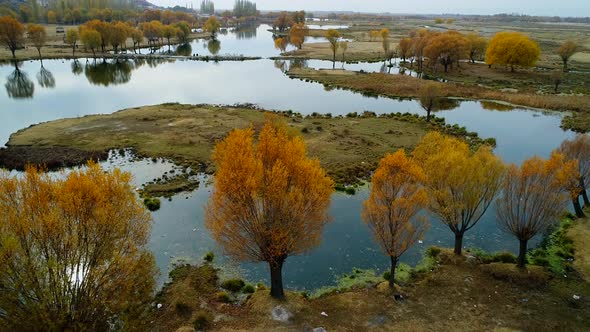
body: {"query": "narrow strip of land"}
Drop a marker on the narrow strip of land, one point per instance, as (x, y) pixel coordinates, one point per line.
(406, 86)
(349, 147)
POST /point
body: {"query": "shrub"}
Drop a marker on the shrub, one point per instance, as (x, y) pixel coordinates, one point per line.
(222, 297)
(248, 289)
(305, 130)
(504, 257)
(152, 204)
(202, 321)
(183, 308)
(339, 187)
(260, 286)
(209, 257)
(433, 251)
(350, 190)
(386, 275)
(233, 285)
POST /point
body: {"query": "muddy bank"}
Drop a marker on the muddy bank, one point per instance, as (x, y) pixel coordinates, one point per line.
(53, 158)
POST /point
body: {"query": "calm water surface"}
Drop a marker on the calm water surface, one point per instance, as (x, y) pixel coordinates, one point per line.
(62, 88)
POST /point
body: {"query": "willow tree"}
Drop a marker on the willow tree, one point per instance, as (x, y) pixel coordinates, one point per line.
(534, 196)
(297, 34)
(37, 35)
(11, 33)
(270, 201)
(397, 195)
(461, 183)
(73, 252)
(512, 49)
(566, 51)
(578, 149)
(333, 36)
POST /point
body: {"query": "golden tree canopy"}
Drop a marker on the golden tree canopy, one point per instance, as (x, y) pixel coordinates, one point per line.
(461, 183)
(397, 195)
(269, 200)
(512, 49)
(297, 34)
(72, 251)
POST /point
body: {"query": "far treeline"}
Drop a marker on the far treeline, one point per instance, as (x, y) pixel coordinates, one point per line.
(270, 201)
(79, 11)
(432, 49)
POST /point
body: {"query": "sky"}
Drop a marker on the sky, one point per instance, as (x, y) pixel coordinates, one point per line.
(529, 7)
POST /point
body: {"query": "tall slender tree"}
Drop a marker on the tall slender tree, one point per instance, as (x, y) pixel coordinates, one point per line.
(397, 195)
(269, 200)
(578, 149)
(11, 33)
(461, 183)
(534, 196)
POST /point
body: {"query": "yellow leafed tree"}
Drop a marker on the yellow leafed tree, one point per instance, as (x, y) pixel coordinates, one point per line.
(73, 252)
(269, 200)
(512, 49)
(397, 195)
(461, 183)
(297, 34)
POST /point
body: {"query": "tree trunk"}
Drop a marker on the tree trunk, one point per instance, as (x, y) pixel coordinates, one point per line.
(565, 65)
(392, 271)
(39, 50)
(578, 207)
(585, 197)
(428, 115)
(521, 260)
(276, 280)
(583, 191)
(13, 54)
(458, 243)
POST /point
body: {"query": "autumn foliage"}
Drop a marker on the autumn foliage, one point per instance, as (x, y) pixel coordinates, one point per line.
(397, 195)
(566, 50)
(73, 251)
(534, 196)
(512, 49)
(297, 34)
(461, 183)
(269, 200)
(11, 33)
(578, 150)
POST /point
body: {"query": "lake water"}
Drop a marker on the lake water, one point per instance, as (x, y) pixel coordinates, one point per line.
(64, 88)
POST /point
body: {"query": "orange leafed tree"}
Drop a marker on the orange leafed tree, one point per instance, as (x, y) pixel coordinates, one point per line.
(73, 251)
(405, 49)
(566, 51)
(37, 35)
(281, 44)
(446, 48)
(534, 196)
(397, 195)
(11, 33)
(297, 34)
(270, 201)
(512, 49)
(461, 183)
(578, 149)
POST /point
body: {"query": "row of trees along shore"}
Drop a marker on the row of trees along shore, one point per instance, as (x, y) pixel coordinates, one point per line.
(73, 250)
(78, 11)
(270, 201)
(433, 48)
(99, 35)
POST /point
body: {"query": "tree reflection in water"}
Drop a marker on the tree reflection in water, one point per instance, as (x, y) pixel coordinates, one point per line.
(118, 71)
(245, 32)
(184, 49)
(18, 85)
(45, 78)
(214, 46)
(77, 68)
(105, 73)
